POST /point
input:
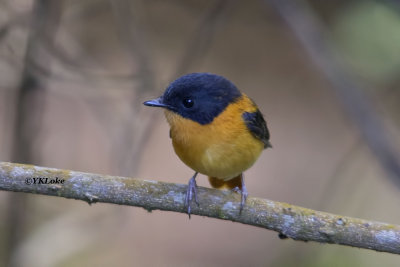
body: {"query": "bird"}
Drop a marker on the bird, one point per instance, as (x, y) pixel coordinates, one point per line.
(215, 129)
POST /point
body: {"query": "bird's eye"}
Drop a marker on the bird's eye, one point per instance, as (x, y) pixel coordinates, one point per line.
(188, 103)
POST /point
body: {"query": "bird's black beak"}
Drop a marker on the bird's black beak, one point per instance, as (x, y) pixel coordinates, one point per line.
(155, 103)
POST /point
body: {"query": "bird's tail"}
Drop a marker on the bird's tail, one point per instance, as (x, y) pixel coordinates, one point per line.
(235, 182)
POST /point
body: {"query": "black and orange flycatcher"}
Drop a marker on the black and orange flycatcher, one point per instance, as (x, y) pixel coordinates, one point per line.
(215, 129)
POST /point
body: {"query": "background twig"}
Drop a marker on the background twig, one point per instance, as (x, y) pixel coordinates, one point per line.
(310, 31)
(203, 36)
(290, 221)
(29, 109)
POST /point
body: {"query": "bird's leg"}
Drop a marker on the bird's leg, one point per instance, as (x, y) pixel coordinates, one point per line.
(244, 194)
(191, 193)
(242, 191)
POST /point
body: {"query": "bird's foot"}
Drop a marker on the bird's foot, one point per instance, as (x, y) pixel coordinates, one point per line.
(243, 193)
(191, 193)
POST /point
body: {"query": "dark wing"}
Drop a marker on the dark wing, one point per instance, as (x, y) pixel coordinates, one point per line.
(258, 127)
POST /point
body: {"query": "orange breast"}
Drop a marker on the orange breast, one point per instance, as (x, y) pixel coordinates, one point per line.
(223, 148)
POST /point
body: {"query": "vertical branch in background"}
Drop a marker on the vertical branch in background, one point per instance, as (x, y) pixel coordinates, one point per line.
(203, 36)
(132, 134)
(132, 35)
(310, 32)
(29, 107)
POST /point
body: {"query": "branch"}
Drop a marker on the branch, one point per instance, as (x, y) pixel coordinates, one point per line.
(290, 221)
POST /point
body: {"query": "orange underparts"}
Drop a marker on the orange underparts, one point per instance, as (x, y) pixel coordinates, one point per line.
(230, 184)
(222, 149)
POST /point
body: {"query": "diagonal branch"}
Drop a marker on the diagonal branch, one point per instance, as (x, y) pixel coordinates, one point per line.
(311, 33)
(290, 221)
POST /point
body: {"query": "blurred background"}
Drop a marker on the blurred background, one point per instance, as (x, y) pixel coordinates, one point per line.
(74, 74)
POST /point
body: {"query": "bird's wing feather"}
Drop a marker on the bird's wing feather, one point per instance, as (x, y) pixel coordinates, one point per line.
(258, 127)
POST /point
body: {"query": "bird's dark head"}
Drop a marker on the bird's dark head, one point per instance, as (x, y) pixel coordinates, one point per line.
(198, 96)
